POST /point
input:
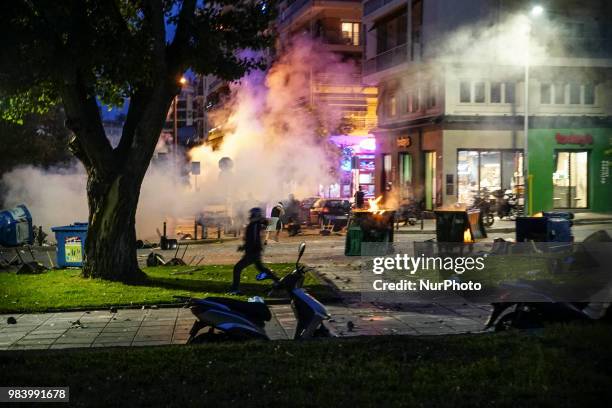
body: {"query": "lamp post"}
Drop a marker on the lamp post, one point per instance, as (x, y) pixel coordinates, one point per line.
(536, 11)
(182, 82)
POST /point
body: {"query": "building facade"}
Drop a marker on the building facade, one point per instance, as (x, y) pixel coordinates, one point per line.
(336, 26)
(451, 100)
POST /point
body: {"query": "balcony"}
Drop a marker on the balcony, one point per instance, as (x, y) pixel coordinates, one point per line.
(298, 5)
(385, 60)
(372, 5)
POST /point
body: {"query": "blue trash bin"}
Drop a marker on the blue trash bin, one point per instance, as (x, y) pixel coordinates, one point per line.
(70, 244)
(16, 227)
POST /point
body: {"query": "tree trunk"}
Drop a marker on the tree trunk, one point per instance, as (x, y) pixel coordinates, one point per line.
(110, 250)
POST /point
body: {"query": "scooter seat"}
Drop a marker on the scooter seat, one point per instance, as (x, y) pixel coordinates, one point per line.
(256, 311)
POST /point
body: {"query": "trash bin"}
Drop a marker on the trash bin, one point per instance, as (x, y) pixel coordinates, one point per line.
(459, 225)
(368, 226)
(70, 244)
(550, 227)
(354, 237)
(16, 227)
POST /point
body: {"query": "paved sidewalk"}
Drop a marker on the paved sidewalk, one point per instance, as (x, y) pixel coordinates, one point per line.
(151, 327)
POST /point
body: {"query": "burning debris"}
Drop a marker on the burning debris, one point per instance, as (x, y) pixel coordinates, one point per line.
(372, 224)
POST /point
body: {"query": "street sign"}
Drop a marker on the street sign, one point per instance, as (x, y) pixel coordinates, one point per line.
(195, 168)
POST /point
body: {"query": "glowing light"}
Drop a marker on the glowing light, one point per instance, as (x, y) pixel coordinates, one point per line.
(537, 11)
(374, 205)
(183, 80)
(368, 144)
(467, 236)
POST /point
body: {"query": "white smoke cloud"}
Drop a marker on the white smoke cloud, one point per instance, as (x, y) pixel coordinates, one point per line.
(270, 135)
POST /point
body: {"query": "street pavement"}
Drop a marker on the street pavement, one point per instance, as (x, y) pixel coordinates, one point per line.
(350, 317)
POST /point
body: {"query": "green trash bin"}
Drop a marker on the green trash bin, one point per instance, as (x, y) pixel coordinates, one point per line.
(354, 237)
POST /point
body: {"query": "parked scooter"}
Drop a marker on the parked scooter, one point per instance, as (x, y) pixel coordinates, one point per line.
(543, 311)
(507, 204)
(231, 319)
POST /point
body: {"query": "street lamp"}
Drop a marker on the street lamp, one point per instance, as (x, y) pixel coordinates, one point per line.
(535, 12)
(182, 81)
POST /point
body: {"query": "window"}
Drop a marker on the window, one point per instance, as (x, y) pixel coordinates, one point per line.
(571, 179)
(392, 105)
(479, 92)
(350, 33)
(509, 88)
(464, 92)
(545, 93)
(589, 94)
(574, 93)
(405, 176)
(392, 32)
(495, 92)
(411, 105)
(490, 169)
(431, 96)
(387, 172)
(559, 94)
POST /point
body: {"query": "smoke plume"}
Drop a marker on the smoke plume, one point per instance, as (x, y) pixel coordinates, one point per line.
(272, 135)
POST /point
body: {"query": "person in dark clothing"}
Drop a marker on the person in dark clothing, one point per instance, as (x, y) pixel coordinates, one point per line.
(276, 223)
(252, 249)
(359, 198)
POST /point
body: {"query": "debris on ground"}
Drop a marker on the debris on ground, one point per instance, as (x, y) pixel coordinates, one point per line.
(11, 320)
(155, 259)
(32, 268)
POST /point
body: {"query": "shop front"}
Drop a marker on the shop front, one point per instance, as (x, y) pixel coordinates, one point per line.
(357, 166)
(409, 166)
(570, 169)
(479, 160)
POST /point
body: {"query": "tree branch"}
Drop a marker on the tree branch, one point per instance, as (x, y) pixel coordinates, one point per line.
(154, 14)
(83, 118)
(180, 43)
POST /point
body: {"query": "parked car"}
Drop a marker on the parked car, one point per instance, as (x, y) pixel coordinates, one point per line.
(305, 206)
(330, 210)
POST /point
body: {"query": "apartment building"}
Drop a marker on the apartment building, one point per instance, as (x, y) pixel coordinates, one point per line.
(336, 26)
(181, 116)
(451, 99)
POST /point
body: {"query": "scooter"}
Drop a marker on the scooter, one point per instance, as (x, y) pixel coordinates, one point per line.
(542, 310)
(231, 319)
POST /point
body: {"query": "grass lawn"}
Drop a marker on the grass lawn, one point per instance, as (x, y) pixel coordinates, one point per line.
(561, 367)
(66, 289)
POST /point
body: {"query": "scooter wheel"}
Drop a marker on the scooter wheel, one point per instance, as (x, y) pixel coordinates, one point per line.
(322, 331)
(412, 221)
(489, 220)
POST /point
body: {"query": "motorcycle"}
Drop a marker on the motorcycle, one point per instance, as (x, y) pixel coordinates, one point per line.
(507, 204)
(484, 204)
(231, 319)
(409, 213)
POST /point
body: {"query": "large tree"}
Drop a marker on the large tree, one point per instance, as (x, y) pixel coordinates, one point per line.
(85, 52)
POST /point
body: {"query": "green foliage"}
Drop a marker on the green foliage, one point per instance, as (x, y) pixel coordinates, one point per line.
(42, 140)
(116, 48)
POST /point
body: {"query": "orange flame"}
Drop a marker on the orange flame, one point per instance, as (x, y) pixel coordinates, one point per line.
(374, 207)
(467, 236)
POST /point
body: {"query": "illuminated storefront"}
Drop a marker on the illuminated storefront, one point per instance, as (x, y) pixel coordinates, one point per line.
(570, 169)
(488, 169)
(357, 167)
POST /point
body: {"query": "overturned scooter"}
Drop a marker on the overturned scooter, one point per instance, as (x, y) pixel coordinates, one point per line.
(542, 310)
(231, 319)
